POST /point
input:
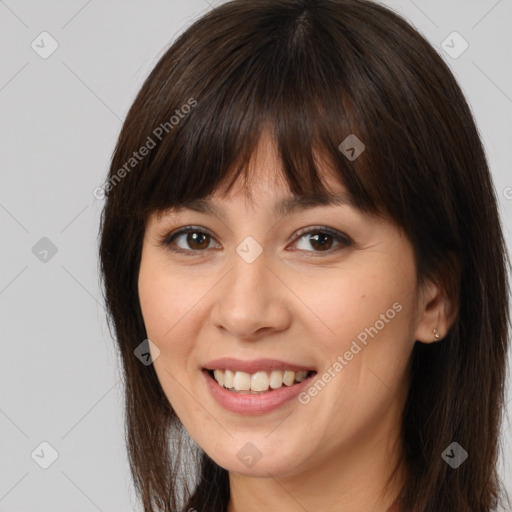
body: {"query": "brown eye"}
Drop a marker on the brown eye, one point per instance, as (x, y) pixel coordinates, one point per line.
(188, 241)
(322, 239)
(197, 240)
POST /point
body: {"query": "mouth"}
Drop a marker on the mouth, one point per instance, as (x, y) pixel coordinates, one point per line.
(257, 383)
(255, 387)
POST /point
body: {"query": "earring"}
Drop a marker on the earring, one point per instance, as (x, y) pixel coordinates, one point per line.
(436, 334)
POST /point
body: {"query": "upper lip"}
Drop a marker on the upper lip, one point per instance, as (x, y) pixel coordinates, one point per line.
(256, 365)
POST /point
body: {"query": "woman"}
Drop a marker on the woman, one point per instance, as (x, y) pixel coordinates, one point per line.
(301, 245)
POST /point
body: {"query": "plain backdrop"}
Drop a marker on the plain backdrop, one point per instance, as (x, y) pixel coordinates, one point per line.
(60, 114)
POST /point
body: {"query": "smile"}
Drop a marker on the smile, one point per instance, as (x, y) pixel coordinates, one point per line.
(255, 387)
(259, 382)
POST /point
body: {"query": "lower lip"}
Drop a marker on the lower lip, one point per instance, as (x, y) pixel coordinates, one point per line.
(253, 404)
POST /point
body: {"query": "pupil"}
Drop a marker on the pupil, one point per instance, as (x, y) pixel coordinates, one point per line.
(197, 236)
(321, 237)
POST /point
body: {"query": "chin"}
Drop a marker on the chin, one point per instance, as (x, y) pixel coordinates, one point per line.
(258, 458)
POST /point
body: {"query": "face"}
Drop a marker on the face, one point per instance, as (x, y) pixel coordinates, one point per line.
(324, 297)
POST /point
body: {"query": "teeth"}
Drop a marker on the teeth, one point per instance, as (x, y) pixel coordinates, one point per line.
(219, 376)
(300, 376)
(229, 378)
(288, 377)
(276, 379)
(258, 382)
(242, 381)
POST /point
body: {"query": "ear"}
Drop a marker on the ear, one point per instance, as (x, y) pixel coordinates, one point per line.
(436, 311)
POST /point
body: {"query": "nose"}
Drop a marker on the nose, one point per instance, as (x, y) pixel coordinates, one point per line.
(251, 302)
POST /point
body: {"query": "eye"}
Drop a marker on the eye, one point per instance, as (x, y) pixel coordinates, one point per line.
(195, 241)
(321, 238)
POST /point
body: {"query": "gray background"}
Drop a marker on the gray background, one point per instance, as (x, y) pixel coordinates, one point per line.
(59, 120)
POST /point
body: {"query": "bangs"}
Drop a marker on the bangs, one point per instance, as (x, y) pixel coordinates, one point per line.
(278, 77)
(212, 158)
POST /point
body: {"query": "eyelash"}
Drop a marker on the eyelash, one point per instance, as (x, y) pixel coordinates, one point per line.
(339, 237)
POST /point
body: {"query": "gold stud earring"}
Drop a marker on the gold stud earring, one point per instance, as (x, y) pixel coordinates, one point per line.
(436, 334)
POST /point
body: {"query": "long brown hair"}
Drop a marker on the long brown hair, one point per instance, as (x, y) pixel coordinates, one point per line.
(315, 72)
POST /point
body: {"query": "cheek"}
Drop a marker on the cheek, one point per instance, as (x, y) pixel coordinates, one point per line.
(156, 304)
(351, 301)
(165, 317)
(364, 339)
(164, 309)
(365, 311)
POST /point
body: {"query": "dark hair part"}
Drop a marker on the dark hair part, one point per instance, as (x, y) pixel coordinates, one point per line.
(312, 73)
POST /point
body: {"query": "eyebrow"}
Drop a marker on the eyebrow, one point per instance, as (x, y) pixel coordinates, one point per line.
(283, 208)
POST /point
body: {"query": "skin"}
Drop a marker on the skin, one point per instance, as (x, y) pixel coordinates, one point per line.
(297, 303)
